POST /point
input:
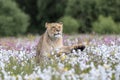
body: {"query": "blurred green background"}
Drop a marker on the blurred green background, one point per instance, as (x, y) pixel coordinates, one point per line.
(20, 17)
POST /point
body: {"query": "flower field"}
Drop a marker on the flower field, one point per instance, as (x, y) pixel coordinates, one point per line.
(99, 61)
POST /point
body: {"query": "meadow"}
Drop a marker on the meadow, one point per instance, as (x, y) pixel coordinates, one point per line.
(99, 61)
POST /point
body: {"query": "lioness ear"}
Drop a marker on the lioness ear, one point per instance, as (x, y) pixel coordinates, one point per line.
(46, 24)
(61, 23)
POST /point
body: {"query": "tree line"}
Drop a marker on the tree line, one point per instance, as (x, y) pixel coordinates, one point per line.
(78, 16)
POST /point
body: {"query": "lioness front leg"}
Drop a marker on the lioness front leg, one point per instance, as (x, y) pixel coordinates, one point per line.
(69, 49)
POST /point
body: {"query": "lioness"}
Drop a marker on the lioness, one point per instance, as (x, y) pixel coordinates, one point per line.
(52, 40)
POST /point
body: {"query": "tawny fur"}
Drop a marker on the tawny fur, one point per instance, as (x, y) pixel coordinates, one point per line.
(52, 40)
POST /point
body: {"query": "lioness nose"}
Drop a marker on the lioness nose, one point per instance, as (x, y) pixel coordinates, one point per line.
(57, 30)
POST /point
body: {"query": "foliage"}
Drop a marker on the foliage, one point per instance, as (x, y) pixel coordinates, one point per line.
(109, 8)
(30, 7)
(50, 11)
(70, 24)
(87, 11)
(84, 13)
(12, 20)
(41, 11)
(105, 25)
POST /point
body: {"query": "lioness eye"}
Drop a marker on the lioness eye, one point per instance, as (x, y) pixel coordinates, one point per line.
(59, 27)
(53, 26)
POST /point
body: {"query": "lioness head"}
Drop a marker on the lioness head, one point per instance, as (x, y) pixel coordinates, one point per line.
(54, 30)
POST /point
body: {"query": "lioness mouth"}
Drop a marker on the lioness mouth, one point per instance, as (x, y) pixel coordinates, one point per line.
(57, 35)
